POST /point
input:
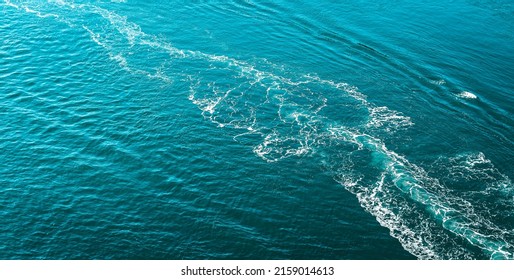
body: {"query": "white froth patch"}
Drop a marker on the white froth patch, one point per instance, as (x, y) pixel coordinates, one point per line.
(120, 59)
(387, 119)
(467, 95)
(439, 82)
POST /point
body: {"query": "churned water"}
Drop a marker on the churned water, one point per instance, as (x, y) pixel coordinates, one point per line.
(256, 129)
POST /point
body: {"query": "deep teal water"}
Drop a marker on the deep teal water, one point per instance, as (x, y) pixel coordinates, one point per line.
(256, 129)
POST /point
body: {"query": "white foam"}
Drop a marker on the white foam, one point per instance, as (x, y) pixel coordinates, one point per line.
(463, 222)
(474, 167)
(60, 2)
(439, 82)
(122, 60)
(467, 95)
(10, 4)
(479, 178)
(30, 10)
(389, 120)
(38, 13)
(96, 38)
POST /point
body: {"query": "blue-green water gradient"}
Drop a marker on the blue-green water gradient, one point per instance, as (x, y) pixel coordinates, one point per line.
(256, 129)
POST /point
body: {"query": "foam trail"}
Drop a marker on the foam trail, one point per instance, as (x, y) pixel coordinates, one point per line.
(284, 115)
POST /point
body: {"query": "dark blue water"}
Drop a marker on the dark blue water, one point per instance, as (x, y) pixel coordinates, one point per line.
(256, 129)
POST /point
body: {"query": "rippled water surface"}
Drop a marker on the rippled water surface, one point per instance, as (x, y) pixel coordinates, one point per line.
(256, 129)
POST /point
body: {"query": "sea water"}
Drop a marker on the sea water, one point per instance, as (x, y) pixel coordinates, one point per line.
(256, 129)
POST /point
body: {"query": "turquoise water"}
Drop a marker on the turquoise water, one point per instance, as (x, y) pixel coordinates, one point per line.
(256, 129)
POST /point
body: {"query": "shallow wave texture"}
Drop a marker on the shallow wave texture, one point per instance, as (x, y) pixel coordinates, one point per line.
(256, 129)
